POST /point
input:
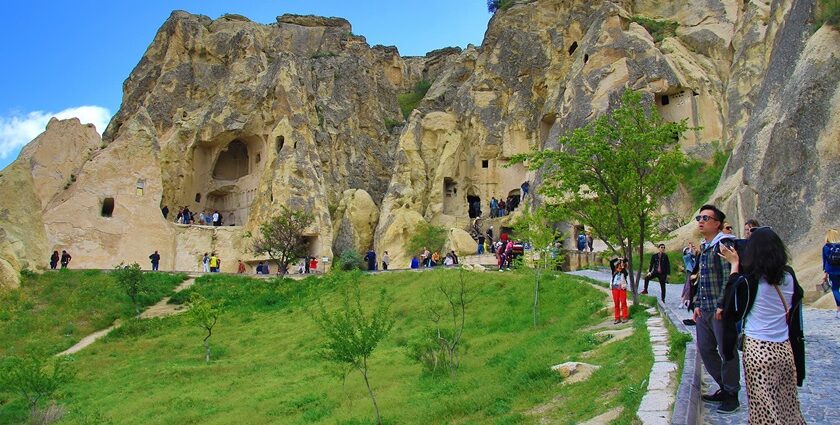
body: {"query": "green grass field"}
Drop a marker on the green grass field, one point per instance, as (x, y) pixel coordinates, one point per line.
(50, 312)
(267, 367)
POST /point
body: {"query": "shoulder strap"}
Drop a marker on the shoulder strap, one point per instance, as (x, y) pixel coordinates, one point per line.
(781, 297)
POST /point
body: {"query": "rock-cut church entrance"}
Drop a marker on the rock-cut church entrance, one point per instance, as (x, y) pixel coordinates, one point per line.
(226, 177)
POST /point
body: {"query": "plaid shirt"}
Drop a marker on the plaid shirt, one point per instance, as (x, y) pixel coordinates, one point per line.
(712, 280)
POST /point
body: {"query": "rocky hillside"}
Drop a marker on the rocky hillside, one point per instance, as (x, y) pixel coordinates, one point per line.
(242, 117)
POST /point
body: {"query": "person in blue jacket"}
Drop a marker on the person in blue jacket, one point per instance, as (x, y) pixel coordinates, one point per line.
(831, 265)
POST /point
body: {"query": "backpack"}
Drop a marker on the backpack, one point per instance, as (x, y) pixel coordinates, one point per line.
(833, 256)
(581, 239)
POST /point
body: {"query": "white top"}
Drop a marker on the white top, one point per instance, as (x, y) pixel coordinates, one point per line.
(618, 281)
(766, 320)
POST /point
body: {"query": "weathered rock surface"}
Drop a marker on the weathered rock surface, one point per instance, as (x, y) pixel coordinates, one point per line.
(241, 117)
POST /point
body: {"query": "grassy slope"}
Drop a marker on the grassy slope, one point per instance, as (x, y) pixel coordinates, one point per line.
(267, 369)
(52, 311)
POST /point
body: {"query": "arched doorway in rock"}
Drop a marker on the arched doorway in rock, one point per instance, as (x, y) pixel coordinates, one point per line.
(232, 162)
(450, 196)
(512, 200)
(473, 203)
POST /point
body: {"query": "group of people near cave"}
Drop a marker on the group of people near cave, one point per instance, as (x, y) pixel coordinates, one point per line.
(744, 297)
(428, 260)
(204, 218)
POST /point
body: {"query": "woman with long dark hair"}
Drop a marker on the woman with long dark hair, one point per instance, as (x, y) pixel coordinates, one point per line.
(763, 292)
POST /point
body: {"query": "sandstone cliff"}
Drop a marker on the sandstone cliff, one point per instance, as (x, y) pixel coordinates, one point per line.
(242, 117)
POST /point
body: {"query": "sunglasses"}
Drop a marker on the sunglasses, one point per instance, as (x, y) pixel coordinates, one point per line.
(705, 217)
(728, 227)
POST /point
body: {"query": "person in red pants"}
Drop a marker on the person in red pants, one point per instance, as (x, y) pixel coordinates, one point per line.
(619, 290)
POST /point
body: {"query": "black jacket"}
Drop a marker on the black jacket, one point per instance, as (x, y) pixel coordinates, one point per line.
(666, 263)
(741, 291)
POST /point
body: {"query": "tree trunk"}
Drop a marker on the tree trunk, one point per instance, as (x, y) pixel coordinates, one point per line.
(207, 347)
(536, 294)
(370, 391)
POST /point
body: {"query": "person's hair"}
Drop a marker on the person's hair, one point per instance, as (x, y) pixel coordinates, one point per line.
(719, 215)
(662, 245)
(752, 223)
(765, 255)
(832, 236)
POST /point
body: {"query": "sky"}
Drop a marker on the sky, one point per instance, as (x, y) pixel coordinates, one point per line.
(69, 59)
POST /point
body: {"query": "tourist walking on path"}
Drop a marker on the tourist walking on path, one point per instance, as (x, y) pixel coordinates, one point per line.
(313, 265)
(525, 186)
(660, 268)
(370, 257)
(240, 268)
(831, 265)
(764, 294)
(54, 260)
(155, 259)
(205, 263)
(415, 263)
(480, 248)
(65, 259)
(715, 337)
(385, 261)
(689, 255)
(618, 286)
(164, 211)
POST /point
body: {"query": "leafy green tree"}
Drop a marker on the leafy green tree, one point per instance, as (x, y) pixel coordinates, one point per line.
(350, 260)
(427, 236)
(35, 377)
(282, 237)
(205, 314)
(539, 230)
(352, 333)
(613, 173)
(130, 278)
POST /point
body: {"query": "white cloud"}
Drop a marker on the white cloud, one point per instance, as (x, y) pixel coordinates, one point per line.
(18, 130)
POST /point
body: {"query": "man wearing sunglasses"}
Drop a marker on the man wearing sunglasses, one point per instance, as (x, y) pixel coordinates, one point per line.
(708, 294)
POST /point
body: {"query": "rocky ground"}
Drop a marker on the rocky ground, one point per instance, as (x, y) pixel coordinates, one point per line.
(822, 336)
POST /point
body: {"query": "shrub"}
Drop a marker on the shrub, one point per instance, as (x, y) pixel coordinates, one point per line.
(701, 178)
(427, 236)
(350, 260)
(658, 28)
(409, 101)
(35, 377)
(494, 5)
(829, 13)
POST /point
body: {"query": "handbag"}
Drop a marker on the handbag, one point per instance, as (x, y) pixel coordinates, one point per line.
(825, 286)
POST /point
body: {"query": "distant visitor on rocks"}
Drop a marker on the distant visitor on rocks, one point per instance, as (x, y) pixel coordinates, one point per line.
(313, 265)
(155, 259)
(54, 260)
(415, 263)
(217, 218)
(370, 257)
(165, 211)
(215, 263)
(240, 268)
(65, 259)
(205, 263)
(385, 261)
(831, 265)
(660, 268)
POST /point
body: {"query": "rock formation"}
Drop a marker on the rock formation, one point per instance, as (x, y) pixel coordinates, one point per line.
(241, 117)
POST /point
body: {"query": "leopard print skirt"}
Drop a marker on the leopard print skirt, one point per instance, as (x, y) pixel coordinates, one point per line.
(771, 383)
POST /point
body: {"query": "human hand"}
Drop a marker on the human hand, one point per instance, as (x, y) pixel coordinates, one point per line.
(697, 314)
(719, 314)
(729, 254)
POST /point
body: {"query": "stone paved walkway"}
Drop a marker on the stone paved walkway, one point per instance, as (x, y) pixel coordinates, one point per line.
(818, 396)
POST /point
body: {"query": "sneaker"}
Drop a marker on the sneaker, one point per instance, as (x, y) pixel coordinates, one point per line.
(729, 405)
(837, 314)
(643, 292)
(616, 322)
(717, 397)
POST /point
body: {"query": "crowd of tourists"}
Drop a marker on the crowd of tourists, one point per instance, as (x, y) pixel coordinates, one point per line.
(428, 260)
(204, 218)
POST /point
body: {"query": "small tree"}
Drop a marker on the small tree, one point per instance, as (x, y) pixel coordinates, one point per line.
(282, 237)
(130, 278)
(352, 334)
(427, 236)
(540, 232)
(613, 173)
(35, 377)
(205, 314)
(449, 314)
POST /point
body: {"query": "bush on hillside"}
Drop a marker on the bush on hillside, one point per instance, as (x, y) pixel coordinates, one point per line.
(350, 260)
(701, 178)
(829, 13)
(409, 101)
(427, 236)
(659, 29)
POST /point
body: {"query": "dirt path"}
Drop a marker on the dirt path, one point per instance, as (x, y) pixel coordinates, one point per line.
(161, 309)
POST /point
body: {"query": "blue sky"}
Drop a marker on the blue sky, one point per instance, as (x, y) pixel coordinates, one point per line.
(69, 58)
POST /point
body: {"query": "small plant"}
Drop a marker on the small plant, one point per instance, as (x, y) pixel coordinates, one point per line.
(391, 123)
(540, 231)
(409, 101)
(448, 313)
(829, 13)
(701, 178)
(35, 377)
(350, 260)
(659, 29)
(26, 273)
(494, 5)
(324, 54)
(352, 333)
(205, 314)
(130, 278)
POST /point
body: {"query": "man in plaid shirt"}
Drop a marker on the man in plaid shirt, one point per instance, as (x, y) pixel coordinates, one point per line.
(712, 274)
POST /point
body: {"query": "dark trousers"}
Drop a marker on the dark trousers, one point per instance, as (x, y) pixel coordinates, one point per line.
(663, 278)
(154, 266)
(710, 342)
